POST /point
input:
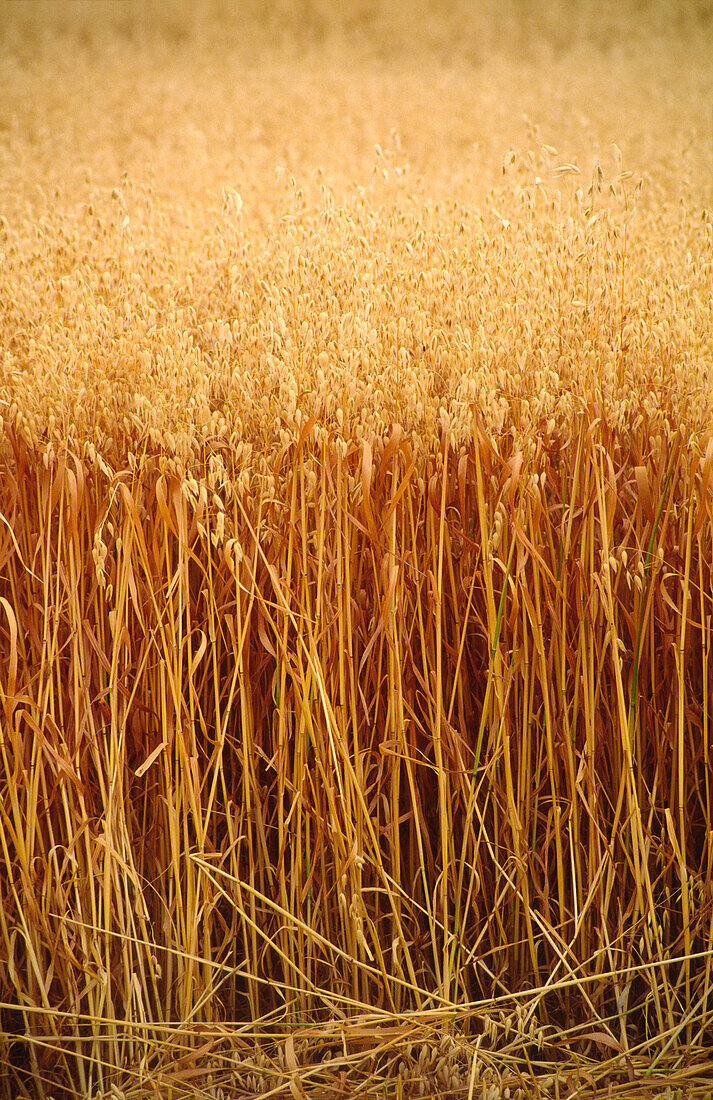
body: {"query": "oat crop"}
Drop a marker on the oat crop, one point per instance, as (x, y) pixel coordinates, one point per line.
(356, 552)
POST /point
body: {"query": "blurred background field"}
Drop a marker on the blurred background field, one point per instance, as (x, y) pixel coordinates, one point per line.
(356, 548)
(212, 94)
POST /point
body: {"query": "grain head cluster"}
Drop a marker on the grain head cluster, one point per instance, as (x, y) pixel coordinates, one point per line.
(356, 553)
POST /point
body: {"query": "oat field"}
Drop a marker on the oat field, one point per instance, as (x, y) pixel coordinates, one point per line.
(356, 549)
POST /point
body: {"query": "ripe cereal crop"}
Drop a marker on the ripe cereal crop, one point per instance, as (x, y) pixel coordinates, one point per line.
(356, 549)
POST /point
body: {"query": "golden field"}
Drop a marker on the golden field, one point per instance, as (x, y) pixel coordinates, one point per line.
(356, 549)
